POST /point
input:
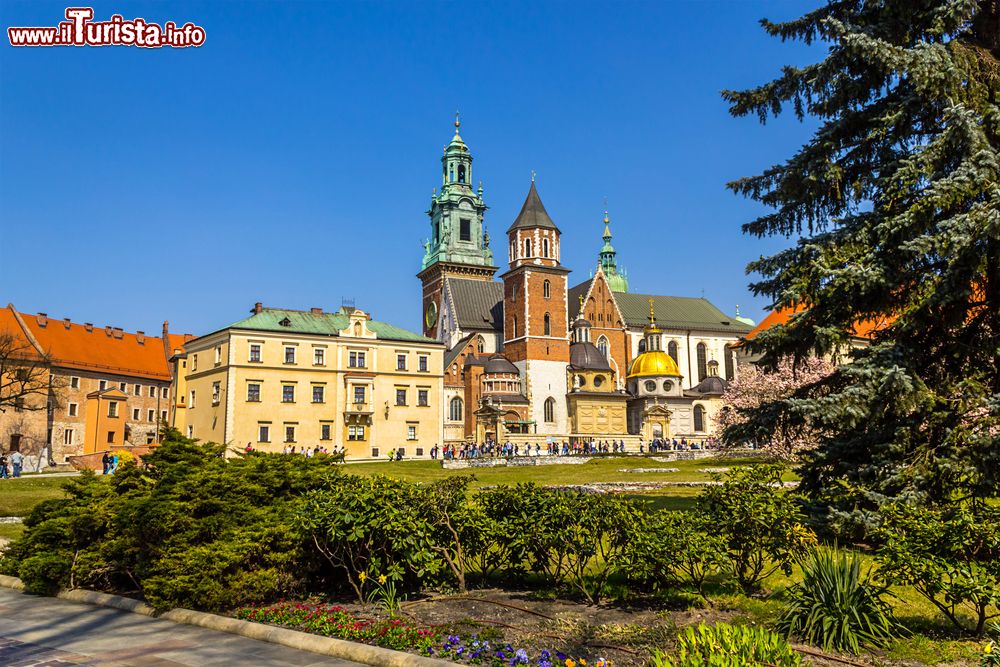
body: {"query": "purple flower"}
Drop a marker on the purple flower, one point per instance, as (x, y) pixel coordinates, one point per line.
(560, 655)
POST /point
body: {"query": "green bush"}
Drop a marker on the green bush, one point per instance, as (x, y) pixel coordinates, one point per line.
(950, 556)
(760, 524)
(836, 607)
(724, 645)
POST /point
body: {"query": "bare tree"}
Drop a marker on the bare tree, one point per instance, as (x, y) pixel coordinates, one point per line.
(24, 375)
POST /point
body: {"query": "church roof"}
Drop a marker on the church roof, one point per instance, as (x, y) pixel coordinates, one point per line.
(478, 303)
(586, 356)
(499, 364)
(713, 385)
(321, 323)
(677, 312)
(533, 213)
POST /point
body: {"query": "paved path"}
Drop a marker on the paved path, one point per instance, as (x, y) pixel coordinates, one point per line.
(48, 632)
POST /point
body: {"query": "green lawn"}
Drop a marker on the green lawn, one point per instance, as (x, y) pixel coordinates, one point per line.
(18, 496)
(10, 531)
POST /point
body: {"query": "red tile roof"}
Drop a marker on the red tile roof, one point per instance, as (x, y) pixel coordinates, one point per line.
(76, 346)
(863, 329)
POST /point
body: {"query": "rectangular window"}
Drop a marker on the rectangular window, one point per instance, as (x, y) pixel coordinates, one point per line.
(464, 230)
(191, 402)
(111, 437)
(68, 436)
(359, 393)
(137, 390)
(400, 362)
(163, 416)
(113, 409)
(289, 355)
(135, 414)
(218, 355)
(355, 432)
(253, 392)
(71, 409)
(401, 451)
(422, 397)
(74, 383)
(194, 363)
(422, 364)
(151, 416)
(102, 385)
(263, 433)
(319, 356)
(400, 397)
(164, 392)
(289, 434)
(411, 431)
(287, 393)
(324, 431)
(374, 452)
(356, 360)
(152, 391)
(122, 386)
(216, 392)
(318, 394)
(254, 352)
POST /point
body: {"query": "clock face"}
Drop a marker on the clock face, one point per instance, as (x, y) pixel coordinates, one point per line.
(431, 314)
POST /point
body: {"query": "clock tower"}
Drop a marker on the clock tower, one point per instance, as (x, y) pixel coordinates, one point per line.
(459, 244)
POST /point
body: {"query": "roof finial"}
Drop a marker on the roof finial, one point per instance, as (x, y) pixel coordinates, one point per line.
(457, 122)
(581, 305)
(737, 310)
(532, 175)
(652, 313)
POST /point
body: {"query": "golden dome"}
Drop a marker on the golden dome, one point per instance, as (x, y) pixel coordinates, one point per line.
(654, 363)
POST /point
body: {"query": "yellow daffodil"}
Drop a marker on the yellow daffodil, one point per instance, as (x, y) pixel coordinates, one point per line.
(583, 662)
(988, 649)
(362, 576)
(570, 663)
(381, 579)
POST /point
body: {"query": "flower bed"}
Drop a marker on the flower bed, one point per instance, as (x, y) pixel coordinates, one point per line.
(334, 621)
(472, 651)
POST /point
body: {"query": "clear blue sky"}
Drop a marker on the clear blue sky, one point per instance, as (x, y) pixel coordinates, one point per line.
(290, 159)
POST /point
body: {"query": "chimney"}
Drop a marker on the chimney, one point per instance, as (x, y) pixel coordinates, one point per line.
(89, 326)
(117, 332)
(258, 308)
(107, 330)
(43, 319)
(66, 322)
(140, 337)
(316, 311)
(166, 328)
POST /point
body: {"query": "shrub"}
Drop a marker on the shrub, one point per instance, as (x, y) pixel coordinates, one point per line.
(724, 645)
(836, 607)
(759, 523)
(950, 556)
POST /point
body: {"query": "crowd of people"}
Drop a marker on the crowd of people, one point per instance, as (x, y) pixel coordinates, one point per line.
(565, 448)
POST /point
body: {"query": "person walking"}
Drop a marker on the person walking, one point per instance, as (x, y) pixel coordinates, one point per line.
(16, 463)
(3, 466)
(106, 462)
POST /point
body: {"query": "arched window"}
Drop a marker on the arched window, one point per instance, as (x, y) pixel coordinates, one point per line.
(545, 247)
(729, 363)
(672, 350)
(602, 345)
(455, 409)
(699, 419)
(513, 250)
(461, 173)
(702, 361)
(480, 345)
(550, 410)
(527, 247)
(546, 289)
(547, 325)
(642, 346)
(515, 327)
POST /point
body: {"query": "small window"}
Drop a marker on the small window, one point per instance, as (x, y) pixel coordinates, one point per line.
(135, 414)
(480, 345)
(164, 392)
(113, 409)
(400, 362)
(411, 431)
(549, 410)
(289, 354)
(289, 434)
(374, 452)
(355, 432)
(151, 415)
(218, 355)
(122, 386)
(152, 391)
(702, 361)
(359, 393)
(255, 352)
(672, 350)
(318, 394)
(253, 392)
(288, 393)
(137, 390)
(111, 437)
(356, 360)
(194, 362)
(650, 386)
(191, 401)
(464, 228)
(216, 392)
(419, 451)
(545, 247)
(455, 409)
(74, 383)
(422, 397)
(68, 436)
(547, 325)
(667, 385)
(699, 418)
(400, 397)
(599, 380)
(319, 356)
(71, 409)
(263, 433)
(324, 431)
(163, 416)
(422, 364)
(546, 289)
(602, 345)
(102, 385)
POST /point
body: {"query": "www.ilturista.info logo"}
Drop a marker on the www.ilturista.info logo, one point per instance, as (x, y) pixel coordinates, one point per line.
(80, 30)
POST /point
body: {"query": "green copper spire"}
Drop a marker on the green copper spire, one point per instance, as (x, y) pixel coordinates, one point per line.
(617, 279)
(458, 234)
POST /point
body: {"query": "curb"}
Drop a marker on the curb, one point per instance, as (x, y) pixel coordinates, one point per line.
(302, 641)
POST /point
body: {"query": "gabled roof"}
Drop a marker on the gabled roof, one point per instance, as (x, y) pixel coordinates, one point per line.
(677, 312)
(533, 213)
(451, 355)
(478, 303)
(323, 324)
(862, 329)
(100, 349)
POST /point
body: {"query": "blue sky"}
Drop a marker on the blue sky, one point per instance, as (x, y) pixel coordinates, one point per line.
(290, 159)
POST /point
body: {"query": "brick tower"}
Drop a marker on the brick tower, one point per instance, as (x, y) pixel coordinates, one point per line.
(536, 336)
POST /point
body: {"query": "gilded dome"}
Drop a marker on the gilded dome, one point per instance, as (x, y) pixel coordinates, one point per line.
(654, 363)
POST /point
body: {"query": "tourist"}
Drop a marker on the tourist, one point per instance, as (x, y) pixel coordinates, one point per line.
(106, 462)
(399, 454)
(16, 462)
(3, 466)
(114, 464)
(249, 448)
(392, 455)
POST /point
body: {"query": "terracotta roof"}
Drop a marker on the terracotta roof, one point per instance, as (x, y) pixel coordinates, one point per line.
(781, 316)
(106, 349)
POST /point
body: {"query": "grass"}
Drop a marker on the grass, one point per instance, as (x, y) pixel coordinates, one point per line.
(18, 496)
(11, 531)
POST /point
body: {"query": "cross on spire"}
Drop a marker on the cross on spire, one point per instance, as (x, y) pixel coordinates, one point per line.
(532, 175)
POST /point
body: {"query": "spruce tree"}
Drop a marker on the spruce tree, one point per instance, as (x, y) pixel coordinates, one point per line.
(894, 208)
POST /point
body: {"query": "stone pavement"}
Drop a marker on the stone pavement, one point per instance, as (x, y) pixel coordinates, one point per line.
(43, 632)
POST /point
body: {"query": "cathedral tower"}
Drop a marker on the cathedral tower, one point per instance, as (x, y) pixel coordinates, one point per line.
(459, 244)
(617, 279)
(535, 320)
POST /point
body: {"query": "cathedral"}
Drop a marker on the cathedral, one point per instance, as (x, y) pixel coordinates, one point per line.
(532, 357)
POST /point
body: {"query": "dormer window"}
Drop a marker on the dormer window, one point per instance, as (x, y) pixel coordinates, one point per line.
(285, 322)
